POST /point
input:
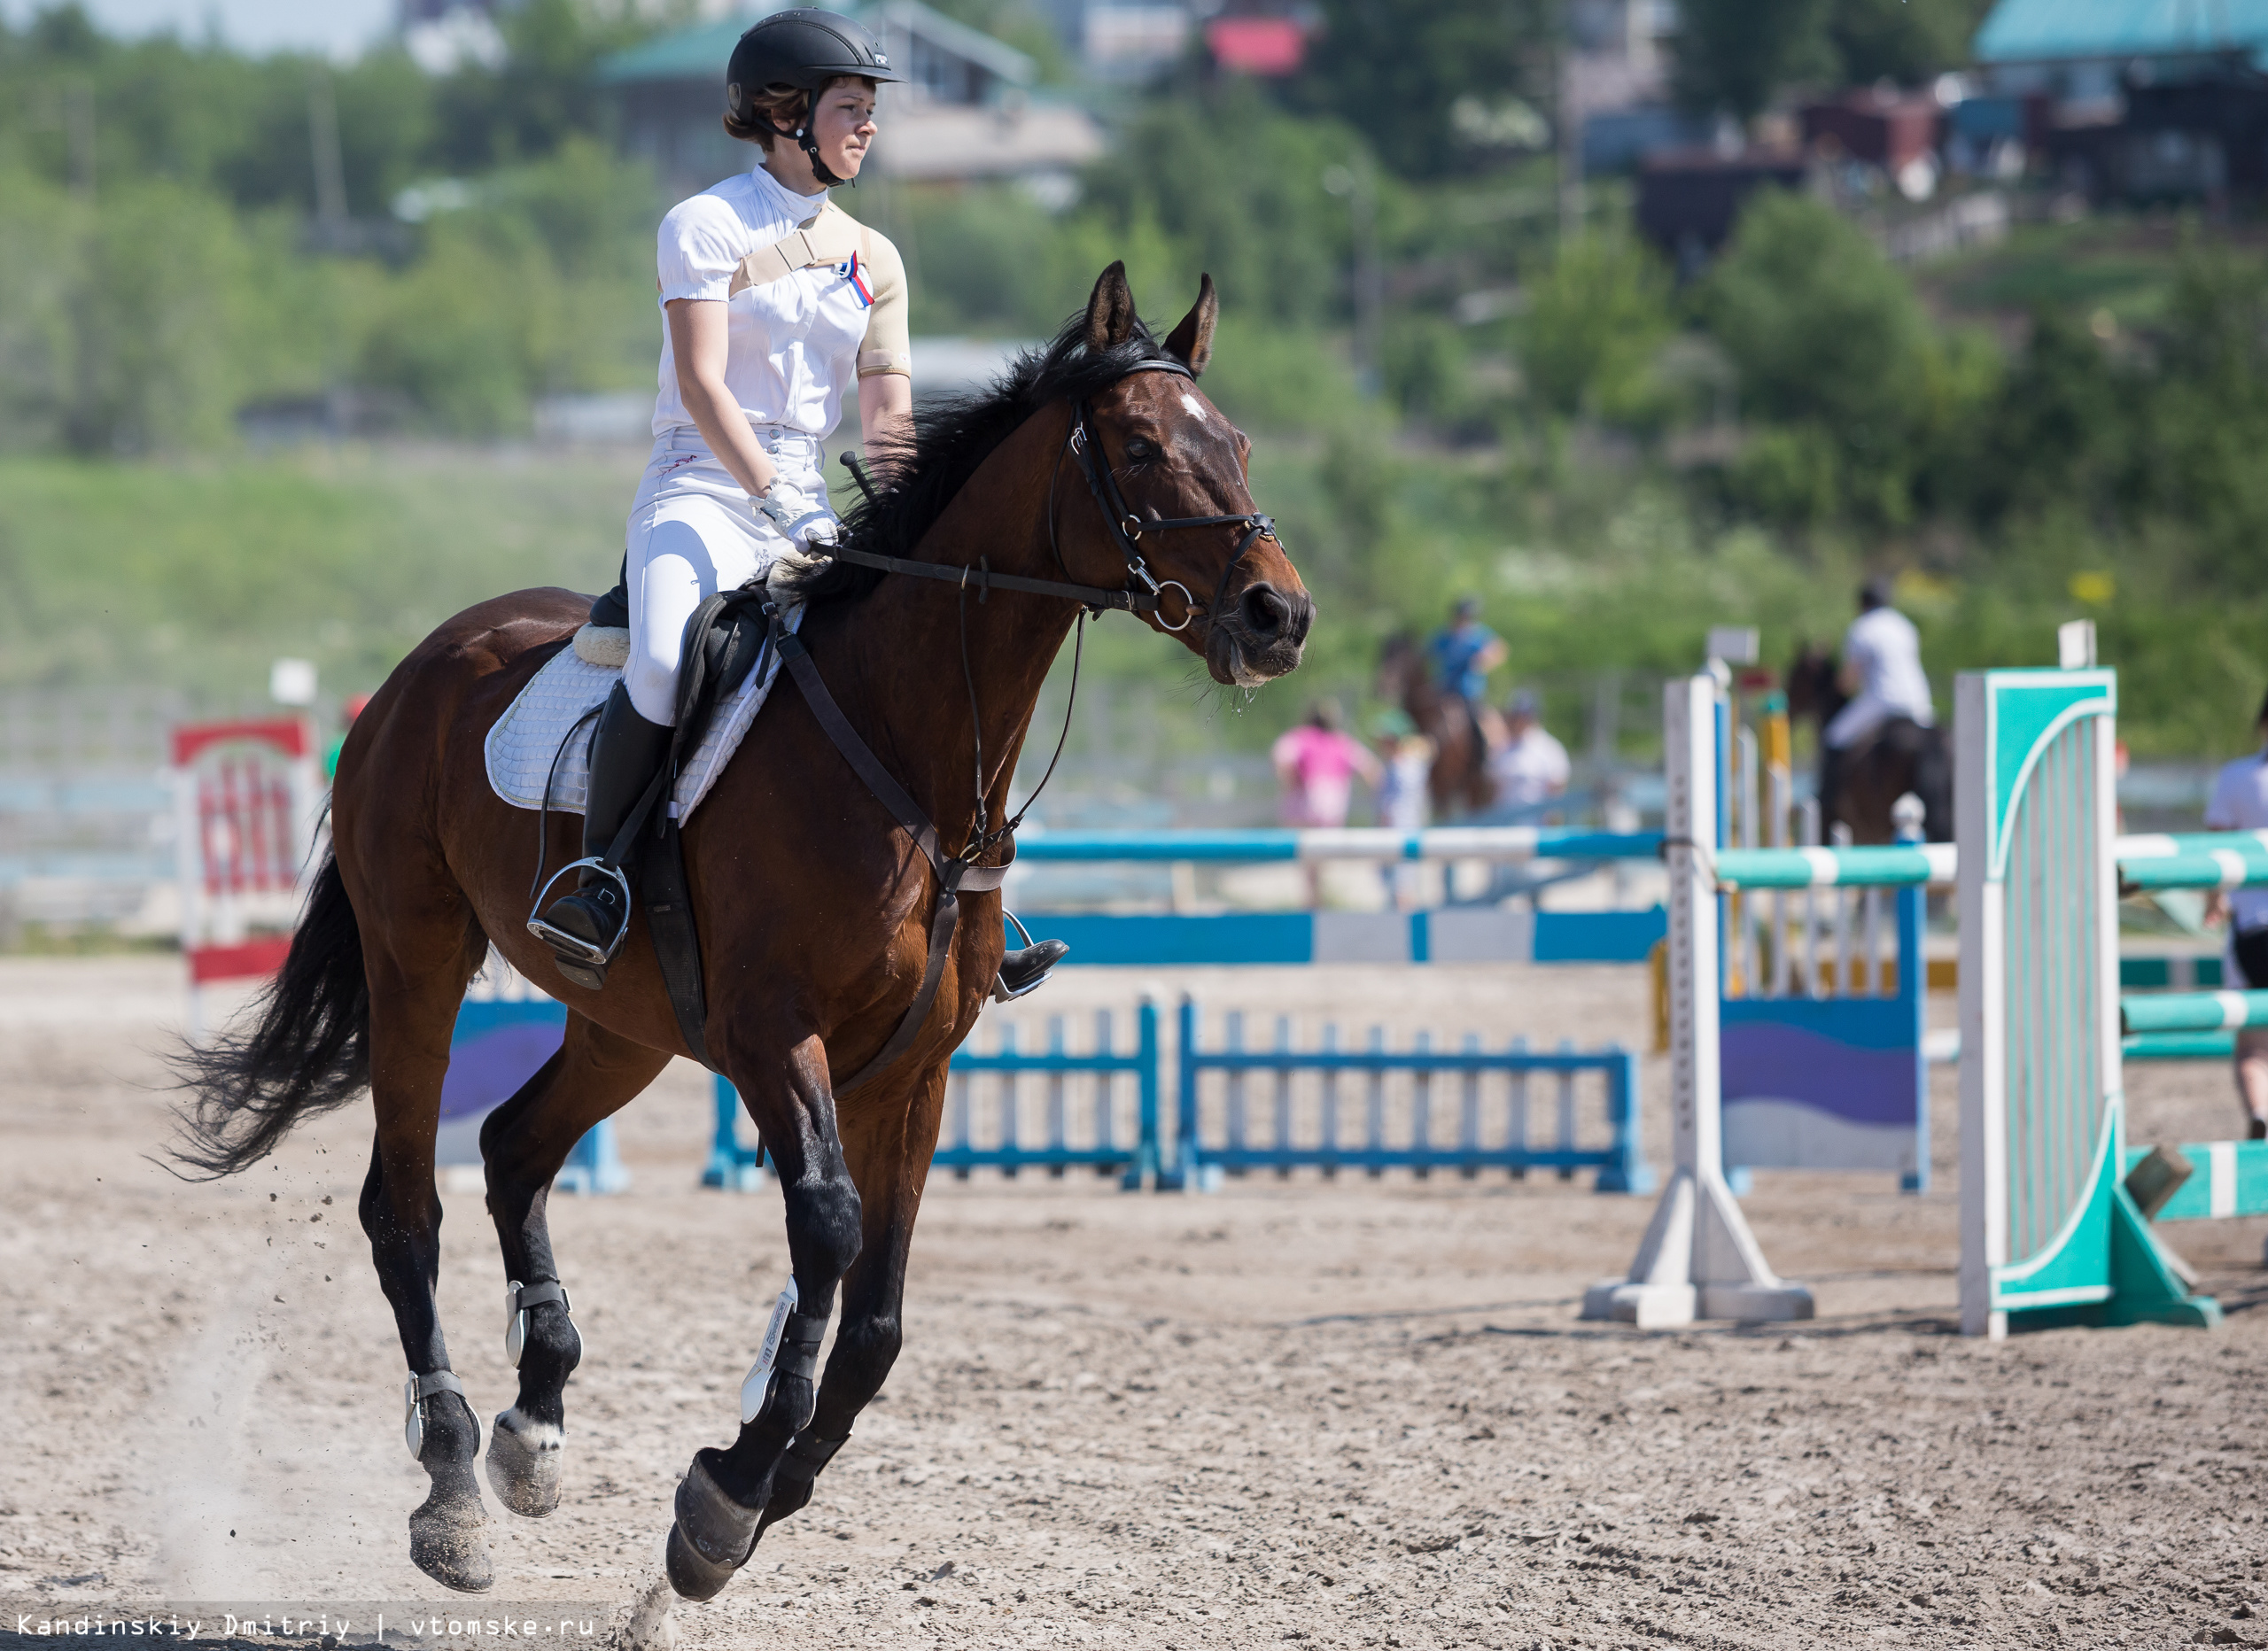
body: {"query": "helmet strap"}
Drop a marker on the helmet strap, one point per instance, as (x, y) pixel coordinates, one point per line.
(810, 146)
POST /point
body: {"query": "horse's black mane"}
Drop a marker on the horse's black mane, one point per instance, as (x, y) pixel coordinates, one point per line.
(950, 441)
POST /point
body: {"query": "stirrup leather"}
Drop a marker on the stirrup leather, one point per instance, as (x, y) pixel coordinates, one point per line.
(574, 947)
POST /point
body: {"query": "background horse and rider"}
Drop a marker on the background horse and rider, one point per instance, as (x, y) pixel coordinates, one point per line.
(1900, 756)
(814, 902)
(1458, 783)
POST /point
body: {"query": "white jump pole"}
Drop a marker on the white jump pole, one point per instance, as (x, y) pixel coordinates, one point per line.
(1698, 1260)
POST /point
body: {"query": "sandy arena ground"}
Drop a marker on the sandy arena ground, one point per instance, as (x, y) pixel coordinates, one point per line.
(1356, 1413)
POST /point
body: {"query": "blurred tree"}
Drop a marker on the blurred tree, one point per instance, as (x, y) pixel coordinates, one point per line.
(1905, 41)
(2207, 422)
(208, 117)
(119, 317)
(1236, 187)
(1597, 319)
(1395, 72)
(1734, 55)
(1825, 333)
(2060, 435)
(545, 89)
(462, 334)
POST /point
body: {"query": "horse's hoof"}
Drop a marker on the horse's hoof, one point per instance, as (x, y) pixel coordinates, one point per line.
(448, 1542)
(691, 1577)
(718, 1529)
(524, 1464)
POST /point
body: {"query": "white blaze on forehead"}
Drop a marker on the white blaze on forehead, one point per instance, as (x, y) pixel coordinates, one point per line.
(1196, 408)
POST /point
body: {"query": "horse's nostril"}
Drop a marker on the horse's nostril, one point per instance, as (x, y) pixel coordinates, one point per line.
(1264, 611)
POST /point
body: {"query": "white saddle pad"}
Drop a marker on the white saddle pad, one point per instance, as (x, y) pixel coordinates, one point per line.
(526, 741)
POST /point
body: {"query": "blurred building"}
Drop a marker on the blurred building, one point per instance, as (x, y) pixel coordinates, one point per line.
(442, 35)
(964, 110)
(1688, 200)
(1614, 84)
(2129, 100)
(1269, 45)
(1897, 133)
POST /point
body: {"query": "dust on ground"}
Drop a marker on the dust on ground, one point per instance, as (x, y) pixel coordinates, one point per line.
(1358, 1413)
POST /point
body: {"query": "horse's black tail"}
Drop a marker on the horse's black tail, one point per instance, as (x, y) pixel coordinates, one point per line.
(308, 1051)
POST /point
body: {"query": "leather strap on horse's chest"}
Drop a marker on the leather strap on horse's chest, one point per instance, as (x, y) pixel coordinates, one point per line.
(955, 877)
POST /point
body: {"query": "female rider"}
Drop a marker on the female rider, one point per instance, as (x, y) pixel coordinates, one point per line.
(767, 328)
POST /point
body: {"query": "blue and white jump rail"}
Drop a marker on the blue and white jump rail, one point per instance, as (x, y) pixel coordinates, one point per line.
(1516, 933)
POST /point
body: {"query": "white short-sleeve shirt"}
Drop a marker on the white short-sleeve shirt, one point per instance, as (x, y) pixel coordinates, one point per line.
(2241, 804)
(792, 344)
(1530, 768)
(1882, 649)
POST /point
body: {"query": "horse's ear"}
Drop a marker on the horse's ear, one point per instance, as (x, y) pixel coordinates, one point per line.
(1193, 341)
(1110, 312)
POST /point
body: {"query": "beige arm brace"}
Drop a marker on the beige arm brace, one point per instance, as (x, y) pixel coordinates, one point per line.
(885, 348)
(826, 238)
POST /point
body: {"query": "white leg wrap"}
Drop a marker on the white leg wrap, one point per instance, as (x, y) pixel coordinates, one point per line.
(419, 1389)
(759, 1374)
(518, 1298)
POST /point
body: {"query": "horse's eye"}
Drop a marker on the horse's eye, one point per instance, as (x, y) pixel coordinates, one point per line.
(1139, 449)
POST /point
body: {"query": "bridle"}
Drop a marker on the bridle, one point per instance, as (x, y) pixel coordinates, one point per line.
(1142, 593)
(1126, 527)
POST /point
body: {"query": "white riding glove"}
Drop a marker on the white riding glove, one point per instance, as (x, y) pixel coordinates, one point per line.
(803, 520)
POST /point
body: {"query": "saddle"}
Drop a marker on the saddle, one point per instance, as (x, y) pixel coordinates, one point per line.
(728, 636)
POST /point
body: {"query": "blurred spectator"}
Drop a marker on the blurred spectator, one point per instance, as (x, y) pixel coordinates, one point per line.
(1530, 767)
(1407, 758)
(2241, 804)
(1316, 765)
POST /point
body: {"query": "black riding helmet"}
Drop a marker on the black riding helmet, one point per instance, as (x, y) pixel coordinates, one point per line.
(805, 49)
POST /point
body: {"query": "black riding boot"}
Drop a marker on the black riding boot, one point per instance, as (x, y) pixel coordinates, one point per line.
(1027, 971)
(625, 754)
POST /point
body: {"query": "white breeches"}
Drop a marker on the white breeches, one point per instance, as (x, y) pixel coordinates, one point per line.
(693, 532)
(1857, 722)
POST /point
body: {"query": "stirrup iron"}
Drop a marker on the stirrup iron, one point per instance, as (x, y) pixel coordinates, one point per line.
(574, 948)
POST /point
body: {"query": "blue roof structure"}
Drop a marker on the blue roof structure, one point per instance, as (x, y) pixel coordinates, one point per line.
(689, 55)
(2062, 31)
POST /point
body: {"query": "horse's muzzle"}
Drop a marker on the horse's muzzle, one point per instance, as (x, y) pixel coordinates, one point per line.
(1261, 637)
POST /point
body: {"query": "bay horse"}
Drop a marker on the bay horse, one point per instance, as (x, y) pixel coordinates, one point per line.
(1458, 781)
(1901, 756)
(814, 905)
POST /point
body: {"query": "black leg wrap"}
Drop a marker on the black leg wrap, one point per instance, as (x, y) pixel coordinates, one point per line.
(791, 1480)
(712, 1538)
